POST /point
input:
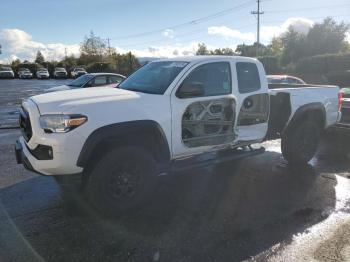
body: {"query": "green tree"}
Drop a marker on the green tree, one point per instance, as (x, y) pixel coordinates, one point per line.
(293, 47)
(70, 62)
(93, 48)
(328, 37)
(15, 63)
(275, 48)
(202, 49)
(223, 51)
(39, 59)
(125, 63)
(250, 50)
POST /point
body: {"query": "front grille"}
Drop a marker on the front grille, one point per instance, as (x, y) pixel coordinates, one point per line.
(25, 125)
(5, 74)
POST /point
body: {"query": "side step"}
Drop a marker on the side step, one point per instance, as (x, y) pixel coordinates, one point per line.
(213, 158)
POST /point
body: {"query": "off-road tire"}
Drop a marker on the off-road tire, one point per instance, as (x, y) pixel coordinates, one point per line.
(121, 180)
(299, 144)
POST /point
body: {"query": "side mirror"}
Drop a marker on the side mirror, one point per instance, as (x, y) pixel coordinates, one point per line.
(191, 89)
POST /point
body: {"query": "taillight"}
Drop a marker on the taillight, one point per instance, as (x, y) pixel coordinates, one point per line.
(340, 100)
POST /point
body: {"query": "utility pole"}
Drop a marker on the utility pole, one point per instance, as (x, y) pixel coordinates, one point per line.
(65, 53)
(258, 13)
(109, 47)
(130, 62)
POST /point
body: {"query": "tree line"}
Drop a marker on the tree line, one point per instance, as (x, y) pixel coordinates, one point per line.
(95, 56)
(324, 45)
(327, 37)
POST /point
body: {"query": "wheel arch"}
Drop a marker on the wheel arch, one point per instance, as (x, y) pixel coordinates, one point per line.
(146, 133)
(313, 111)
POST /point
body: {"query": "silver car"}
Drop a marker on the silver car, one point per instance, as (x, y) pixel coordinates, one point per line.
(91, 80)
(42, 73)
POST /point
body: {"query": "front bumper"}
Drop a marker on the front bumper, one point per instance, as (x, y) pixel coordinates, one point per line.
(63, 163)
(43, 76)
(61, 75)
(7, 75)
(26, 76)
(21, 158)
(47, 154)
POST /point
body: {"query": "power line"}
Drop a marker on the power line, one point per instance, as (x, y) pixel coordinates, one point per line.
(208, 18)
(305, 8)
(196, 32)
(189, 23)
(191, 33)
(109, 47)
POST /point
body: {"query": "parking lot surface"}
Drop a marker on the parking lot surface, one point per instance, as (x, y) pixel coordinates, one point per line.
(13, 91)
(258, 209)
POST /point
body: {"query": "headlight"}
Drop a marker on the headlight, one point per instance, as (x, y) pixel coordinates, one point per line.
(61, 123)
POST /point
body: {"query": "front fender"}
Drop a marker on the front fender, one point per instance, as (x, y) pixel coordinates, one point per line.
(140, 129)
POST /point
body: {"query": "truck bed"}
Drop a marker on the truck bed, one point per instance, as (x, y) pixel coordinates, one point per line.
(286, 99)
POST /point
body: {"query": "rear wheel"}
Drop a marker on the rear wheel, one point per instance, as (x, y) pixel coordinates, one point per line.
(299, 144)
(121, 180)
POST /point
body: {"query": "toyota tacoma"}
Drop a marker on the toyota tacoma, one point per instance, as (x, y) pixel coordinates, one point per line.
(168, 116)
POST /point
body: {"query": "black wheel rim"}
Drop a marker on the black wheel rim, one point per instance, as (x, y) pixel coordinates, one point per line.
(124, 182)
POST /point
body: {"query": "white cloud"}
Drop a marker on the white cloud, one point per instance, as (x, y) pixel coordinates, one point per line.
(298, 24)
(348, 37)
(19, 44)
(169, 33)
(164, 51)
(230, 33)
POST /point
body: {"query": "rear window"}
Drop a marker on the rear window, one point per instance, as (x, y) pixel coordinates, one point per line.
(248, 77)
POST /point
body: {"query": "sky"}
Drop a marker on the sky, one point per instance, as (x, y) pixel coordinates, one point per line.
(151, 28)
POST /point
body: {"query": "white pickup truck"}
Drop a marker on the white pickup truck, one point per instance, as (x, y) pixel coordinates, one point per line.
(169, 115)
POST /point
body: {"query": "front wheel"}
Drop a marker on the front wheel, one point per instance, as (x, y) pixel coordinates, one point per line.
(121, 180)
(299, 144)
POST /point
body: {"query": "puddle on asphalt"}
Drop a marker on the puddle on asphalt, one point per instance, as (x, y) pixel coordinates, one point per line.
(304, 245)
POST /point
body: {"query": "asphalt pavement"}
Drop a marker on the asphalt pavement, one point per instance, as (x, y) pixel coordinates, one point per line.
(257, 209)
(13, 91)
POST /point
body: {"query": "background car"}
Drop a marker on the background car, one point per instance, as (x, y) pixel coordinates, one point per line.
(42, 73)
(78, 71)
(6, 72)
(91, 80)
(60, 72)
(24, 73)
(284, 79)
(344, 122)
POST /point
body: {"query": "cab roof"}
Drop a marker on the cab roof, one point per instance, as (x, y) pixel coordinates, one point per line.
(202, 58)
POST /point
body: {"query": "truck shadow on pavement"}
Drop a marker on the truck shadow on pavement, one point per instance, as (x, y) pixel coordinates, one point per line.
(226, 213)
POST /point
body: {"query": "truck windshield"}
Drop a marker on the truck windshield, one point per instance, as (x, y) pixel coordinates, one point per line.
(153, 78)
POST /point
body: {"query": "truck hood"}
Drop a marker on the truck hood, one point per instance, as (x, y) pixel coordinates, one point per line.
(64, 101)
(57, 88)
